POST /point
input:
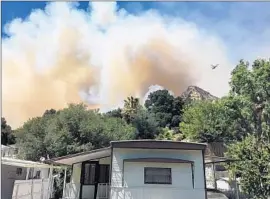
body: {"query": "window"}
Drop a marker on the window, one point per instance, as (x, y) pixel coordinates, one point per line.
(19, 171)
(30, 174)
(220, 168)
(157, 175)
(16, 151)
(104, 173)
(89, 174)
(37, 176)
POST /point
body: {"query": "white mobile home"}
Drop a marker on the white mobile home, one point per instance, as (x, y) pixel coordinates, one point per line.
(143, 169)
(22, 179)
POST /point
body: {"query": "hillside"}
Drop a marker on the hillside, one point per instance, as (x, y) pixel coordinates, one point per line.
(196, 93)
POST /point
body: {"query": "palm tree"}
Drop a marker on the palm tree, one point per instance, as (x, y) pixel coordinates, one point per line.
(131, 105)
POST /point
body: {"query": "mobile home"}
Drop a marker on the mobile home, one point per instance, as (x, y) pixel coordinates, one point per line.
(22, 179)
(142, 169)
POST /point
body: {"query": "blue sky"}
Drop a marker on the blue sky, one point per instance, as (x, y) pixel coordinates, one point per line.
(231, 21)
(11, 10)
(194, 11)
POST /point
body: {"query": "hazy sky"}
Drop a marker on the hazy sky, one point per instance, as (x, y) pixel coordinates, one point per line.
(100, 53)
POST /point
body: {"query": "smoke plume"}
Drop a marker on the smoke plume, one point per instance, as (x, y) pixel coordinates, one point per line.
(64, 55)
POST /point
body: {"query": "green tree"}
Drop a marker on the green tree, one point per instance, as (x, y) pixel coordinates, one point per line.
(49, 112)
(30, 139)
(70, 130)
(165, 107)
(115, 113)
(252, 166)
(145, 124)
(168, 134)
(241, 120)
(214, 121)
(7, 136)
(252, 84)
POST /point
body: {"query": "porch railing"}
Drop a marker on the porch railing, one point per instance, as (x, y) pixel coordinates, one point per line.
(103, 191)
(72, 191)
(9, 152)
(35, 189)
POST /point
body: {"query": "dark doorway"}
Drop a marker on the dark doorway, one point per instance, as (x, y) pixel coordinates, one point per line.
(89, 179)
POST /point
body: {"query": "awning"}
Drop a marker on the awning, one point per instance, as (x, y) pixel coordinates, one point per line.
(25, 163)
(84, 156)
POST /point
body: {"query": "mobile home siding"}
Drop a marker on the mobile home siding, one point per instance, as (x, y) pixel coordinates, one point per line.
(8, 177)
(128, 178)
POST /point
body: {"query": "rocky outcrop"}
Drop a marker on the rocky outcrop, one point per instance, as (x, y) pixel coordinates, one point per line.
(196, 93)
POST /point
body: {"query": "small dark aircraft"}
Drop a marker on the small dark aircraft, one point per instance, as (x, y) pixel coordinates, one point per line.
(214, 66)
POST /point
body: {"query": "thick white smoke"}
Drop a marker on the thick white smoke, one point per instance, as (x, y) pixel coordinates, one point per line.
(65, 55)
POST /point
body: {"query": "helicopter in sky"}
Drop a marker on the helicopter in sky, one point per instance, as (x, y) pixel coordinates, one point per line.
(214, 66)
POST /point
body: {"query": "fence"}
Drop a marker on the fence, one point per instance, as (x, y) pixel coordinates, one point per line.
(9, 152)
(71, 191)
(103, 191)
(219, 180)
(232, 194)
(31, 189)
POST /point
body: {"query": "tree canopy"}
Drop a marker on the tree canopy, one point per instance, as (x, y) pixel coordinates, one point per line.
(215, 121)
(73, 129)
(146, 125)
(7, 136)
(252, 85)
(252, 166)
(242, 121)
(166, 108)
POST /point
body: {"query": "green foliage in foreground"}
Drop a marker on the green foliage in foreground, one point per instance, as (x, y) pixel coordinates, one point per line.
(253, 166)
(242, 121)
(252, 85)
(222, 120)
(245, 111)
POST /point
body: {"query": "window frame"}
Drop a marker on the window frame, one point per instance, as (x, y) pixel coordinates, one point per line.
(37, 175)
(160, 183)
(18, 171)
(83, 173)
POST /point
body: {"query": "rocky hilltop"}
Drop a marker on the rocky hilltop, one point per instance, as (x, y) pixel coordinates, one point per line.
(196, 93)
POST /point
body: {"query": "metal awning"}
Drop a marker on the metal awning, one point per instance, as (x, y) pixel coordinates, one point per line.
(84, 156)
(25, 163)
